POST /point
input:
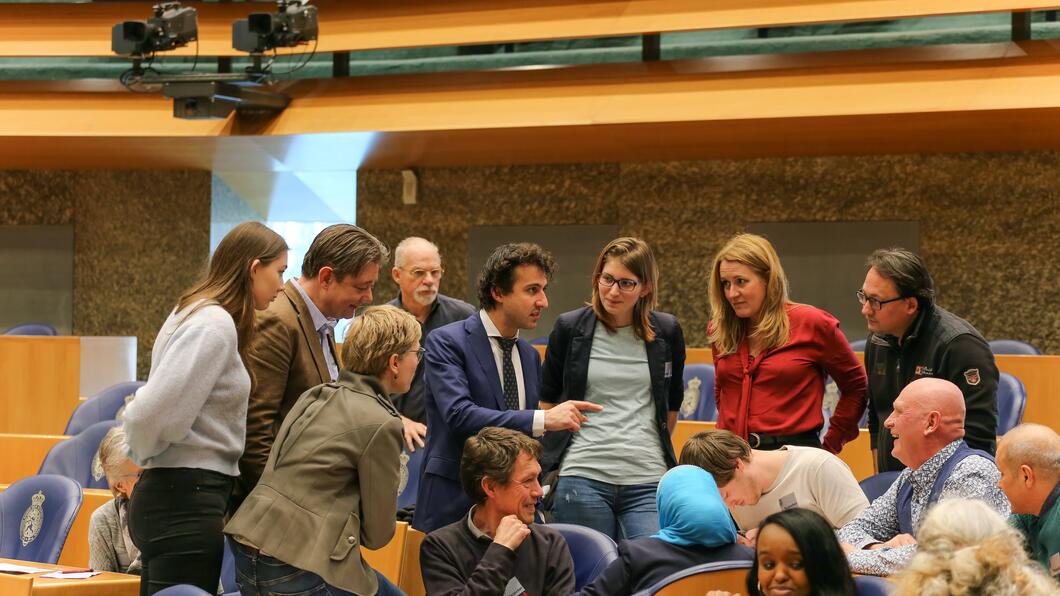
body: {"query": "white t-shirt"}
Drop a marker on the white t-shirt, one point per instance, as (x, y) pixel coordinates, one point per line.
(813, 479)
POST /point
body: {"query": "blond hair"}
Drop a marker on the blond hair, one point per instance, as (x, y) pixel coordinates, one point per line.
(965, 547)
(375, 335)
(726, 330)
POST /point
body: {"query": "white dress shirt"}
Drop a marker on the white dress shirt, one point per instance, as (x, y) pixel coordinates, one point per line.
(325, 330)
(498, 358)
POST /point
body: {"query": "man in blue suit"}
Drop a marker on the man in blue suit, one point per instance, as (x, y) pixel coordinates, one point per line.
(479, 373)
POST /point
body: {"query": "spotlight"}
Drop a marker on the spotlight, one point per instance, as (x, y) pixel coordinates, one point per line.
(294, 23)
(171, 27)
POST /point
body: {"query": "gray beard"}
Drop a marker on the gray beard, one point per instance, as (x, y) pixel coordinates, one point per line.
(425, 299)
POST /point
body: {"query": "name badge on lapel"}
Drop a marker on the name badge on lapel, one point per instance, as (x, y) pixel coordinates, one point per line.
(668, 369)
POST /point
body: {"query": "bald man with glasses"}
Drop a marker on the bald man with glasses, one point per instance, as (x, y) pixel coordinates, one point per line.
(913, 338)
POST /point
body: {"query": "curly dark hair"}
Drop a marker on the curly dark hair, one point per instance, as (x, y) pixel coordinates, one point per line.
(499, 270)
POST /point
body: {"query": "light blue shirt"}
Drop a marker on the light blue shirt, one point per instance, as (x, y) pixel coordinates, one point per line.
(325, 329)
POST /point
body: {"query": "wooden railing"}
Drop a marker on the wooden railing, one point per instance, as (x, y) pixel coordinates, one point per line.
(84, 29)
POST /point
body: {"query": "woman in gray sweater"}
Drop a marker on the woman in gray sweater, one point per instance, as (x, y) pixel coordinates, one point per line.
(187, 425)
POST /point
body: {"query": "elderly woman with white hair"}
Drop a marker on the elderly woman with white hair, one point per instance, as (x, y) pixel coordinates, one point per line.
(965, 547)
(109, 546)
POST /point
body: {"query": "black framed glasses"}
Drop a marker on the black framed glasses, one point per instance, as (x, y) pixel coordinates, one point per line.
(419, 354)
(625, 285)
(875, 303)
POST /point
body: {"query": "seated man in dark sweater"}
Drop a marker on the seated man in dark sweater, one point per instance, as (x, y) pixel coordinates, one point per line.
(496, 549)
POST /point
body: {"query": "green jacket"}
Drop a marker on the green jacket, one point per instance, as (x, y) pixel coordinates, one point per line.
(1042, 533)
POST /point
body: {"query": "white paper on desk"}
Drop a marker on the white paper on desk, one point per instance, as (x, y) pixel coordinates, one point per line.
(76, 575)
(12, 568)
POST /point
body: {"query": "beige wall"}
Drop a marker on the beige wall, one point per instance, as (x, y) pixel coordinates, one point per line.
(139, 239)
(990, 223)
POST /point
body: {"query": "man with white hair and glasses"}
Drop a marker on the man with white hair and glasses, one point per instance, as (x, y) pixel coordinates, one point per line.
(418, 273)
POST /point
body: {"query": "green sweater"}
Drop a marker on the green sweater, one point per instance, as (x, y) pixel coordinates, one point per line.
(1042, 533)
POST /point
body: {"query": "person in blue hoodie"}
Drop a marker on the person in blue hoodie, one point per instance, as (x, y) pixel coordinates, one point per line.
(695, 528)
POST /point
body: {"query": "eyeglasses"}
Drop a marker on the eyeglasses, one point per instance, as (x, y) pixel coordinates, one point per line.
(419, 354)
(875, 303)
(624, 285)
(422, 273)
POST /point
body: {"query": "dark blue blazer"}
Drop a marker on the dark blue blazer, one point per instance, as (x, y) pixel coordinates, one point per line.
(464, 395)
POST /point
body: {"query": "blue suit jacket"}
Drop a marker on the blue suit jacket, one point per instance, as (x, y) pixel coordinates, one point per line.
(464, 395)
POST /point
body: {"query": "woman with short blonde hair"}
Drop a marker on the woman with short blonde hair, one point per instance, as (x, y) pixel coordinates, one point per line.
(965, 547)
(110, 548)
(332, 480)
(771, 355)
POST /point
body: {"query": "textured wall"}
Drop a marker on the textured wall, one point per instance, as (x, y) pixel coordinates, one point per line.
(990, 223)
(139, 239)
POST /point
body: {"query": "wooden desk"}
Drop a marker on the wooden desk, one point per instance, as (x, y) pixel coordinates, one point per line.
(411, 577)
(387, 560)
(23, 454)
(40, 381)
(105, 584)
(75, 550)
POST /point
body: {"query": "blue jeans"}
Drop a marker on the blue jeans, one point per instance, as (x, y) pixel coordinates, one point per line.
(262, 575)
(619, 511)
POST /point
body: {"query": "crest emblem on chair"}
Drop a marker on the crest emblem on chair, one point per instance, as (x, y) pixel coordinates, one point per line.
(97, 467)
(691, 399)
(403, 479)
(32, 519)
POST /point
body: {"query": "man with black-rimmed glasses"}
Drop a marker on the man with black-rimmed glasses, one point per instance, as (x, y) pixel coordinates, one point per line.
(912, 338)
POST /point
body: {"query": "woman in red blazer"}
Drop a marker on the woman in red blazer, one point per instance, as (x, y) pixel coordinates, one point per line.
(771, 355)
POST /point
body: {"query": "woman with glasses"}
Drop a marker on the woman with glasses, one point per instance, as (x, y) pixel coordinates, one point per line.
(771, 355)
(619, 353)
(332, 479)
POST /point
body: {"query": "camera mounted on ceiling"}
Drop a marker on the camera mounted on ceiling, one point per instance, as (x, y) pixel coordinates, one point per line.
(207, 95)
(293, 24)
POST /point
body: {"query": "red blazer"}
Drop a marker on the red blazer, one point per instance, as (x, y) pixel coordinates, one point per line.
(780, 392)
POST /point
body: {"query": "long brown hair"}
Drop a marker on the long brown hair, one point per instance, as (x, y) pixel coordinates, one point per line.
(227, 281)
(634, 254)
(726, 330)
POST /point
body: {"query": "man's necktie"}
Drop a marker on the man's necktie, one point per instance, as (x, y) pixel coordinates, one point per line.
(511, 385)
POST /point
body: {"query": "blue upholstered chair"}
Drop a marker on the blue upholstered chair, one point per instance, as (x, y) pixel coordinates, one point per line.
(1011, 401)
(704, 409)
(540, 341)
(592, 551)
(182, 590)
(76, 458)
(729, 575)
(858, 345)
(1014, 346)
(101, 406)
(876, 485)
(32, 329)
(868, 585)
(35, 517)
(414, 466)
